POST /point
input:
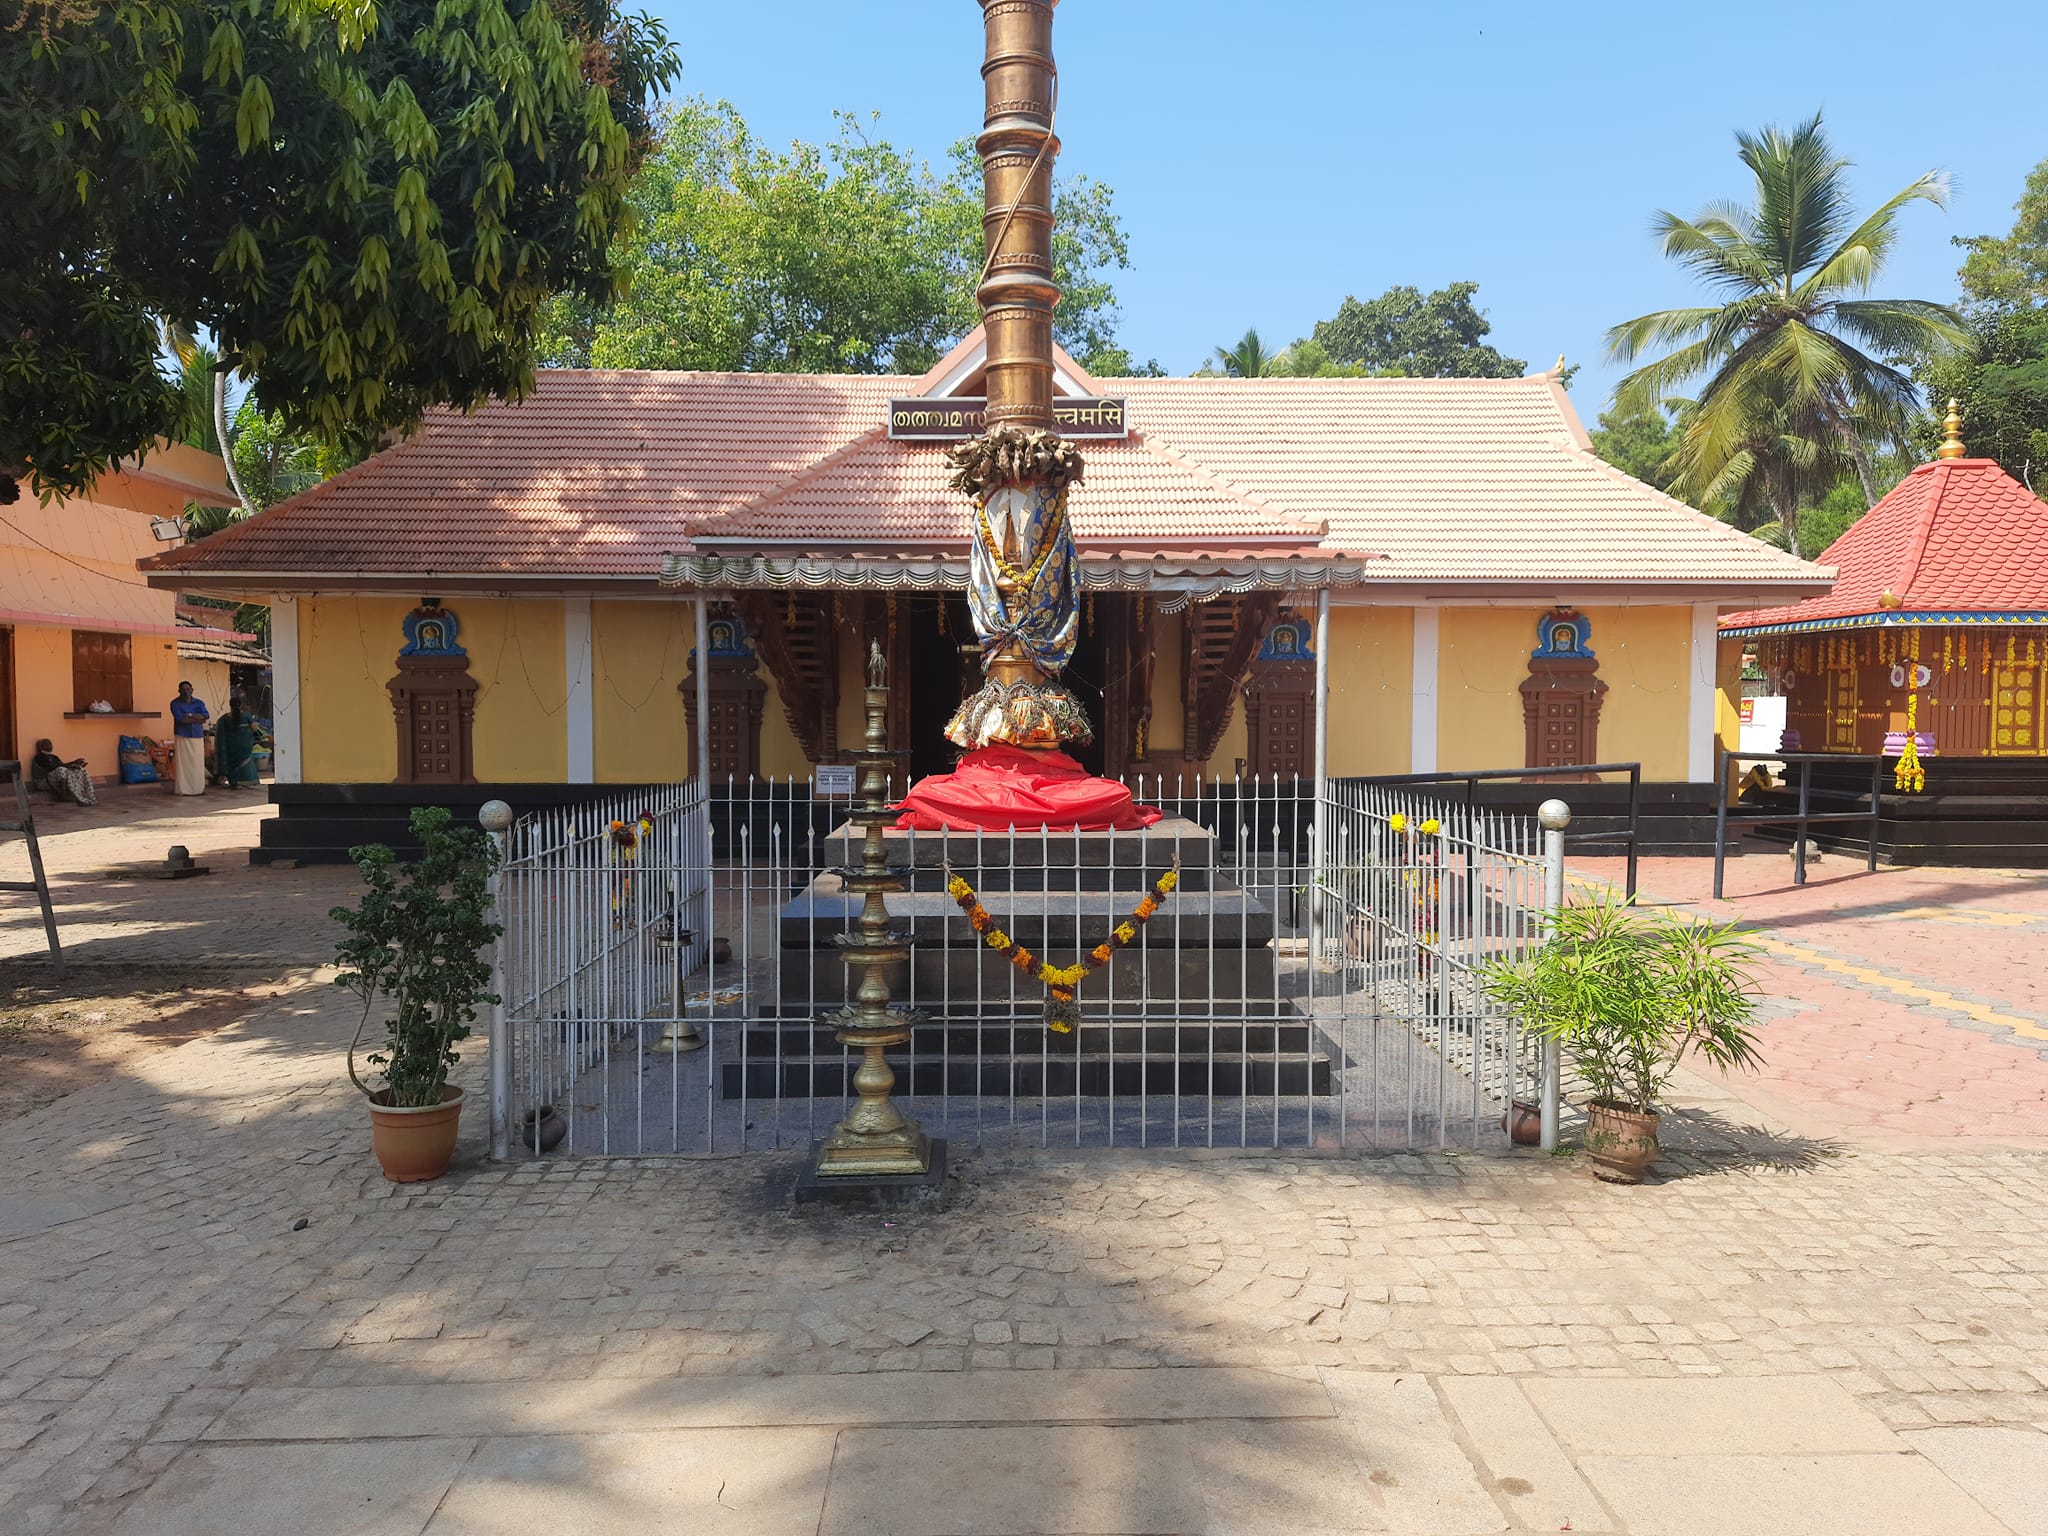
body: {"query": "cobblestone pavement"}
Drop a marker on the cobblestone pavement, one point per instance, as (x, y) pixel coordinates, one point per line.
(109, 914)
(1909, 1007)
(179, 1242)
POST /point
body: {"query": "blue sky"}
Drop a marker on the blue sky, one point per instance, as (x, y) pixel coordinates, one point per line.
(1269, 159)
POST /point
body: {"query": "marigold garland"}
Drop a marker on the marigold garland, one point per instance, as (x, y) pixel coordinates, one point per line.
(1025, 579)
(1062, 1013)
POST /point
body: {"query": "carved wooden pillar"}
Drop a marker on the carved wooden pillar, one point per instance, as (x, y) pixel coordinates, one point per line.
(737, 698)
(1280, 704)
(1561, 696)
(433, 701)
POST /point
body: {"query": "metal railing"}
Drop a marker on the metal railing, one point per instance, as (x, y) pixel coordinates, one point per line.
(1312, 981)
(1631, 835)
(38, 882)
(1799, 820)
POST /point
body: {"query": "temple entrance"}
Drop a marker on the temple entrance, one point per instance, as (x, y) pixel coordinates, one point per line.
(938, 672)
(1084, 678)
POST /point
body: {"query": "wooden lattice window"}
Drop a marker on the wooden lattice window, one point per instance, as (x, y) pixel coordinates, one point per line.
(102, 668)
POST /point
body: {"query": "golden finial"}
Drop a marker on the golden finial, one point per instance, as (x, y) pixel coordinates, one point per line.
(1952, 438)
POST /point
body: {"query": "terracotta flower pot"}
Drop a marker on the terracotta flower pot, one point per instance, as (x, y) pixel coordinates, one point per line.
(413, 1145)
(1620, 1142)
(1524, 1124)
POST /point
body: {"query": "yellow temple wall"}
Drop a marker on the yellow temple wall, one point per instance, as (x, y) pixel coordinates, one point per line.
(1372, 659)
(348, 651)
(348, 648)
(1728, 694)
(639, 659)
(516, 655)
(1482, 655)
(1645, 662)
(781, 756)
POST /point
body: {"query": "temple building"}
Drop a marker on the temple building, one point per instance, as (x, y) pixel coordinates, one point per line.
(1930, 650)
(506, 601)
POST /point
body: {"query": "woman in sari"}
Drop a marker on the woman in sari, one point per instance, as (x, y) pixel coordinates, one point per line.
(66, 781)
(188, 718)
(234, 746)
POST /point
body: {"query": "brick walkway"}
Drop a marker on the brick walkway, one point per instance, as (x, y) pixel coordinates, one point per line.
(1910, 1006)
(1823, 1317)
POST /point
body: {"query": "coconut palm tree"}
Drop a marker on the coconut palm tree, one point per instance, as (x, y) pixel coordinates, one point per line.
(1801, 371)
(1249, 359)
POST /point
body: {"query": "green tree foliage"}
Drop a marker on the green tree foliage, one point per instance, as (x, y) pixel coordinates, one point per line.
(2001, 382)
(843, 257)
(1247, 358)
(1641, 444)
(1406, 333)
(1793, 400)
(364, 203)
(2012, 270)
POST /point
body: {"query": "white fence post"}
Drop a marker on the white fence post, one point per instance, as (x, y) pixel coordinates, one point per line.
(496, 819)
(1555, 816)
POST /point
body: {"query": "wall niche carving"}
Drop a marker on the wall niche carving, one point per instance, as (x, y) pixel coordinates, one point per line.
(737, 696)
(433, 700)
(1562, 695)
(1280, 704)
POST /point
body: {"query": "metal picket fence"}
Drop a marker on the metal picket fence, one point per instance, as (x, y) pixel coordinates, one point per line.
(668, 973)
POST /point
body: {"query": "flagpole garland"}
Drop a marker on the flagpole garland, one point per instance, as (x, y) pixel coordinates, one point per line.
(1062, 1012)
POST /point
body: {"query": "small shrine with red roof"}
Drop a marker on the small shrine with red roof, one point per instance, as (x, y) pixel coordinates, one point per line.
(1936, 631)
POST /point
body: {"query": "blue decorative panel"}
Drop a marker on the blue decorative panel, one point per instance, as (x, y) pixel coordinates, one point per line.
(1286, 641)
(728, 636)
(1563, 637)
(430, 630)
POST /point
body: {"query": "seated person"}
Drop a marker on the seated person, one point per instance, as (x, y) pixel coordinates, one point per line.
(66, 781)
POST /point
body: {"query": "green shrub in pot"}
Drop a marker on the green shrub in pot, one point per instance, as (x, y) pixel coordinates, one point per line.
(1629, 994)
(418, 942)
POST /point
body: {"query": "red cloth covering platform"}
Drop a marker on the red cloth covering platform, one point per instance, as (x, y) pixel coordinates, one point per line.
(996, 788)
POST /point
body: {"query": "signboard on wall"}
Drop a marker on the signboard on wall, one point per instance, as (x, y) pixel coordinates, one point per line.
(834, 781)
(963, 416)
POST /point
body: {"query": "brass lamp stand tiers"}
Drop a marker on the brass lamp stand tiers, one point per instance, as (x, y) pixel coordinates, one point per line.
(874, 1138)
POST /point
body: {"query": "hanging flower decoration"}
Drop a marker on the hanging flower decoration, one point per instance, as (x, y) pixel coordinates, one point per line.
(1062, 1012)
(626, 837)
(1910, 776)
(1428, 827)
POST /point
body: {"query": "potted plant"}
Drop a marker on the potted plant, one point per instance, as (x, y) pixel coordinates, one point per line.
(1630, 994)
(418, 941)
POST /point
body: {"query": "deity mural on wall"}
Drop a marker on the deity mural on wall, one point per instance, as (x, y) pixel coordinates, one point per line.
(1561, 696)
(433, 700)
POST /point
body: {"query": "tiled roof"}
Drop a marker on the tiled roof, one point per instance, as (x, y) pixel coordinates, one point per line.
(1452, 480)
(1457, 482)
(594, 474)
(1133, 495)
(1954, 536)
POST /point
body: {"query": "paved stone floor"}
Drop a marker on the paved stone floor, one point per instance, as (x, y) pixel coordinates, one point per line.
(215, 1316)
(1910, 1005)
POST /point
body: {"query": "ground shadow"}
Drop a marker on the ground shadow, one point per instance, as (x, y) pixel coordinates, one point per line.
(1697, 1140)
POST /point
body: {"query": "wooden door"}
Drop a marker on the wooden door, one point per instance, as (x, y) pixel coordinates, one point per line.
(435, 729)
(1563, 718)
(2016, 709)
(1841, 711)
